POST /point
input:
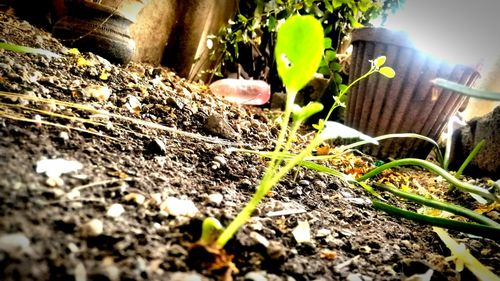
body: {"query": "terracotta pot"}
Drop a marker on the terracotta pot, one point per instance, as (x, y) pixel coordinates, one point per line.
(406, 103)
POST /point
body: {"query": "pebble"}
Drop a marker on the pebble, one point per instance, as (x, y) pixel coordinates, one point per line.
(255, 276)
(304, 182)
(186, 276)
(137, 198)
(323, 232)
(354, 277)
(14, 243)
(320, 184)
(115, 210)
(221, 160)
(276, 250)
(215, 199)
(179, 207)
(94, 227)
(157, 147)
(215, 124)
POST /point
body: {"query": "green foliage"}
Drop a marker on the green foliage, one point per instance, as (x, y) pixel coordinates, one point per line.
(254, 28)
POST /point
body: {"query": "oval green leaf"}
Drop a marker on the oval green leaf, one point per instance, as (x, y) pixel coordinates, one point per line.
(299, 48)
(378, 62)
(387, 72)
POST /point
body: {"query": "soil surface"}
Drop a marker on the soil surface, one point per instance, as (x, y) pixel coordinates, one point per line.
(133, 206)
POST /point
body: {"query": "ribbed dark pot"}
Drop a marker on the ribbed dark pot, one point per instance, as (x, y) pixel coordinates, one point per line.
(406, 103)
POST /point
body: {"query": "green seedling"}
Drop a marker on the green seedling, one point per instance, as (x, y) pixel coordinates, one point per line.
(376, 67)
(30, 50)
(298, 53)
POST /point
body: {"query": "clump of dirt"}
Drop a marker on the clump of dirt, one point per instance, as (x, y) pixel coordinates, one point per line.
(134, 207)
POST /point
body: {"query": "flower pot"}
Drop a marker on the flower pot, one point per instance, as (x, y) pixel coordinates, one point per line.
(406, 103)
(102, 28)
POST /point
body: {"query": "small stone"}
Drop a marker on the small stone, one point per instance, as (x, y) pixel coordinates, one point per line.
(320, 184)
(323, 232)
(15, 243)
(259, 238)
(158, 147)
(64, 135)
(94, 227)
(297, 191)
(304, 182)
(255, 276)
(221, 160)
(215, 199)
(215, 124)
(179, 207)
(80, 272)
(276, 250)
(72, 247)
(115, 210)
(137, 198)
(186, 276)
(354, 277)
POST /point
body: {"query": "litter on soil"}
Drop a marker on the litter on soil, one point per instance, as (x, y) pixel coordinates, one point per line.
(127, 199)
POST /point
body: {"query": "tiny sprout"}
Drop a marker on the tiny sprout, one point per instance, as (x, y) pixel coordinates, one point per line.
(300, 114)
(210, 231)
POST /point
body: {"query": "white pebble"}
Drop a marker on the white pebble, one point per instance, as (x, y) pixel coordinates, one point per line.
(179, 207)
(115, 210)
(94, 227)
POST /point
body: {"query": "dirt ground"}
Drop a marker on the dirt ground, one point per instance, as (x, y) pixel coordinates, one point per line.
(134, 207)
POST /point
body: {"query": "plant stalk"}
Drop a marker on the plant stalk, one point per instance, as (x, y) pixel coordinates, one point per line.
(466, 187)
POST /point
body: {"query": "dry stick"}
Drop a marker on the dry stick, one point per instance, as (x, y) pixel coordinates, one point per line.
(5, 115)
(133, 120)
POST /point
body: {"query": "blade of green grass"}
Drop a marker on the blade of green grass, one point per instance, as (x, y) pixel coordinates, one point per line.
(24, 49)
(471, 228)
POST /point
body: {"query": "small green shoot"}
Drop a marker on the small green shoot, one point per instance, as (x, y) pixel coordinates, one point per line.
(210, 231)
(376, 66)
(298, 51)
(24, 49)
(469, 158)
(462, 256)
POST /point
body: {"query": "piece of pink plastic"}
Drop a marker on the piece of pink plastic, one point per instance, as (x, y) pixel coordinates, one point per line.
(255, 92)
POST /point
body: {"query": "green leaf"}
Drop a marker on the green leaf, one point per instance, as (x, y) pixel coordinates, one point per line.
(24, 49)
(466, 91)
(342, 88)
(378, 62)
(327, 43)
(329, 6)
(271, 23)
(300, 114)
(337, 3)
(335, 130)
(298, 51)
(330, 55)
(387, 72)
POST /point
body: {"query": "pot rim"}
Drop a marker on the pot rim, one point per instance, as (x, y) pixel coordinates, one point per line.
(392, 37)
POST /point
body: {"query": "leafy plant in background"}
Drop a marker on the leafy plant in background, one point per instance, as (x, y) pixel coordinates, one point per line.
(250, 37)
